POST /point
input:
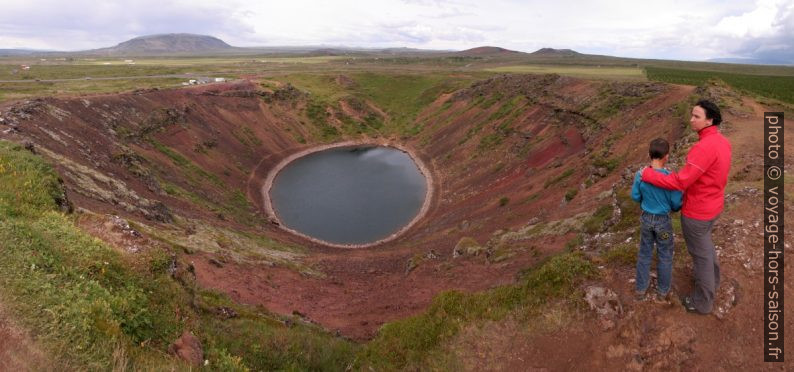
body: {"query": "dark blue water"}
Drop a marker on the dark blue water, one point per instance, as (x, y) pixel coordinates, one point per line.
(349, 195)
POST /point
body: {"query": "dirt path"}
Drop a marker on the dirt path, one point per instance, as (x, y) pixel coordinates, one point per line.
(18, 351)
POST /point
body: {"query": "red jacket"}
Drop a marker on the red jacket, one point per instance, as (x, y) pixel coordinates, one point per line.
(703, 178)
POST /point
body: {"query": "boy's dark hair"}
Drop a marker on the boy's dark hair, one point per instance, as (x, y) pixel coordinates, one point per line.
(712, 111)
(658, 148)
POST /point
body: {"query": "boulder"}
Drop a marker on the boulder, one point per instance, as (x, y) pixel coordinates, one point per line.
(188, 348)
(603, 301)
(727, 298)
(467, 246)
(601, 172)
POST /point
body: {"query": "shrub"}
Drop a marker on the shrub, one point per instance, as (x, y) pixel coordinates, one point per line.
(562, 177)
(593, 224)
(406, 343)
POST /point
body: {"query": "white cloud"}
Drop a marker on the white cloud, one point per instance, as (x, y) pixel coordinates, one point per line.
(695, 29)
(777, 45)
(757, 23)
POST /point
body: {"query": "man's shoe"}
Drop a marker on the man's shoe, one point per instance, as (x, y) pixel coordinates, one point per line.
(689, 304)
(661, 299)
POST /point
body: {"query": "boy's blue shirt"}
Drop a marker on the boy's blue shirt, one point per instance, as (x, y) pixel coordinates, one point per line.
(653, 199)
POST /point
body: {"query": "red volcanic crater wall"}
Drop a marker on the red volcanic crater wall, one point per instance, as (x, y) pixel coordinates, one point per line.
(503, 137)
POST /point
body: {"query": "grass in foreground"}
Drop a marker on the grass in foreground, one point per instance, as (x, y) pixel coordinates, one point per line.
(411, 343)
(95, 308)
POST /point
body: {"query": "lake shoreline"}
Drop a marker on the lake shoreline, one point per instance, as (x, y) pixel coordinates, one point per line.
(273, 173)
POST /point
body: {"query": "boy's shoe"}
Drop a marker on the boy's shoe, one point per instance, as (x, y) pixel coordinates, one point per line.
(662, 298)
(639, 296)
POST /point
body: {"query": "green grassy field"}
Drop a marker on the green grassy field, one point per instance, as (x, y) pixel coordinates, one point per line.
(79, 71)
(589, 72)
(198, 61)
(733, 68)
(11, 91)
(303, 72)
(106, 68)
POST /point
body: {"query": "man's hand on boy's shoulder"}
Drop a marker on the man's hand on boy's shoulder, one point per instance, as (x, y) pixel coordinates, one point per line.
(635, 187)
(638, 177)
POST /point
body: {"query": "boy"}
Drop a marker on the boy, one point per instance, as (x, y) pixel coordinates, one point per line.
(656, 224)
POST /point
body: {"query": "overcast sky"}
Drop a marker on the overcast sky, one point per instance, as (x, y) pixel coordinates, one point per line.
(689, 30)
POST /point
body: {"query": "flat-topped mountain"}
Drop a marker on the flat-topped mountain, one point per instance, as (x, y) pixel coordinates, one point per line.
(551, 52)
(487, 51)
(168, 44)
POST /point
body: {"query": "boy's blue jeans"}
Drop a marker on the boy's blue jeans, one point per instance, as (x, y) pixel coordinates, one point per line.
(658, 229)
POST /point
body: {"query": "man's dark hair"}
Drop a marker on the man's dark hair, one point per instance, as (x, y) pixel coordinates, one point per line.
(712, 111)
(658, 148)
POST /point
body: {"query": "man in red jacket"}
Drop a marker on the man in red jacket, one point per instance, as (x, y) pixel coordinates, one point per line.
(703, 181)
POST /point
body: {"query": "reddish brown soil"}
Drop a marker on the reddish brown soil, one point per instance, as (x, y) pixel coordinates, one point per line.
(361, 289)
(651, 336)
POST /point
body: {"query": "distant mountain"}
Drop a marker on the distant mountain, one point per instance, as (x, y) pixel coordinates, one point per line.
(327, 52)
(551, 52)
(20, 52)
(167, 44)
(409, 51)
(487, 51)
